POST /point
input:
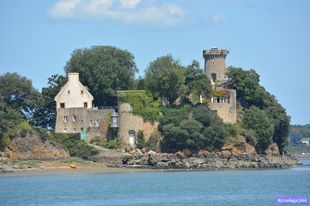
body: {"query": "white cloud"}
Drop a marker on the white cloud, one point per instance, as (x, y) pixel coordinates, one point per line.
(130, 3)
(64, 8)
(129, 11)
(219, 19)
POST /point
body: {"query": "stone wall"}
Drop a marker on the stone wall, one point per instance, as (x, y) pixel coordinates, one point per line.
(131, 122)
(94, 121)
(226, 110)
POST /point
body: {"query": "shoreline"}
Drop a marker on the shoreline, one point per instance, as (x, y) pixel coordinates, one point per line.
(54, 168)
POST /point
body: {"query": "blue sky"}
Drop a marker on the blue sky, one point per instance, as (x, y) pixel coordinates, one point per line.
(271, 36)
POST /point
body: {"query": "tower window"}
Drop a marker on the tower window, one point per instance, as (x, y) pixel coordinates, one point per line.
(68, 91)
(82, 92)
(213, 77)
(85, 104)
(62, 105)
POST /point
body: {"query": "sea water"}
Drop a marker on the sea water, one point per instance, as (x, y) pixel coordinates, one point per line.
(244, 187)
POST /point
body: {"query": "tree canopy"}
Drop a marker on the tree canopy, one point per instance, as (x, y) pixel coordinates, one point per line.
(18, 93)
(258, 121)
(164, 78)
(251, 93)
(18, 101)
(45, 114)
(194, 128)
(104, 70)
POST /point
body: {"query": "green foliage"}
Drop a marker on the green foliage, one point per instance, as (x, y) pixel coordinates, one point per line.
(247, 85)
(299, 131)
(142, 103)
(298, 148)
(109, 144)
(140, 140)
(72, 144)
(258, 121)
(17, 103)
(164, 78)
(18, 93)
(196, 82)
(104, 70)
(45, 114)
(191, 128)
(251, 93)
(232, 130)
(250, 136)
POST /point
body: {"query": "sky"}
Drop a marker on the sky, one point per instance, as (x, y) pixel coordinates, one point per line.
(270, 36)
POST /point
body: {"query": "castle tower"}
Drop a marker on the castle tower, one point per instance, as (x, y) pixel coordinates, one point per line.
(215, 67)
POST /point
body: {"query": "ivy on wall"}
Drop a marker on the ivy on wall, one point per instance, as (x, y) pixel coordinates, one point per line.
(142, 103)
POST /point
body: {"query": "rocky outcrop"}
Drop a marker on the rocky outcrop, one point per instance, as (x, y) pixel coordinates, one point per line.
(219, 160)
(108, 156)
(31, 147)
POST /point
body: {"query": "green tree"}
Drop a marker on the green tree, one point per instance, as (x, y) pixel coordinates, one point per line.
(195, 128)
(258, 121)
(45, 114)
(104, 70)
(18, 93)
(196, 82)
(251, 93)
(164, 78)
(247, 85)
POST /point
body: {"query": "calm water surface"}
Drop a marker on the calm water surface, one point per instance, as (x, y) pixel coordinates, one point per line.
(256, 187)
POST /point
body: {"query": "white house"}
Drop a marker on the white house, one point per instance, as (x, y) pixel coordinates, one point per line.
(73, 94)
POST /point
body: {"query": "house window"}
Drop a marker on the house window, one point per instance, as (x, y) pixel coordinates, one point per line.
(82, 92)
(85, 104)
(62, 105)
(73, 118)
(65, 119)
(65, 130)
(74, 130)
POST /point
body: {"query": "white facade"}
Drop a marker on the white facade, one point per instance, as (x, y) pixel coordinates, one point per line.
(74, 94)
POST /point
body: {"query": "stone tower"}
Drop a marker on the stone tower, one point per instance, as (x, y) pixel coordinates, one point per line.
(223, 100)
(215, 67)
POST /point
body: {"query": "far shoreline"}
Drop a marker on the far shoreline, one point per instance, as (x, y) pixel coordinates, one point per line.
(123, 170)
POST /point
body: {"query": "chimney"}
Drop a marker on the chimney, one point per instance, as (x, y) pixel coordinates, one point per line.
(73, 77)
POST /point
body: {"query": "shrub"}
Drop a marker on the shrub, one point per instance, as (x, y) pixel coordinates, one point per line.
(72, 144)
(109, 144)
(140, 140)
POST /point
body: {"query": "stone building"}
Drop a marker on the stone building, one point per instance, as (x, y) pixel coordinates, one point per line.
(131, 124)
(223, 100)
(75, 113)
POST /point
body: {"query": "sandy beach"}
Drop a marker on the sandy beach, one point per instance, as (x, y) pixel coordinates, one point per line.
(55, 167)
